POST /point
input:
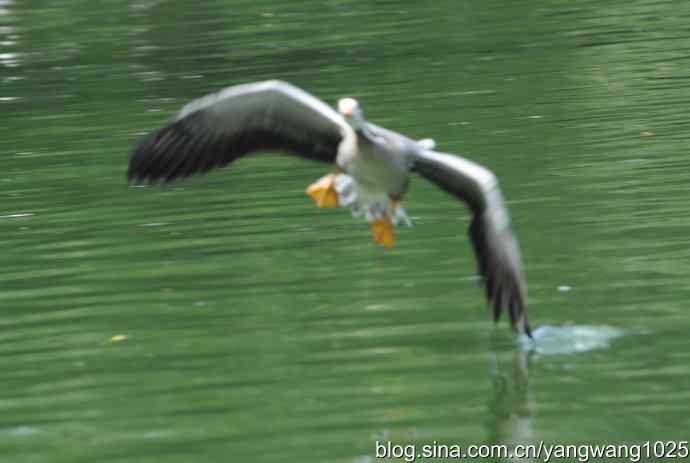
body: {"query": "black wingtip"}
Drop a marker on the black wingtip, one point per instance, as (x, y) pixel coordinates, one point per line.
(138, 170)
(173, 151)
(497, 308)
(525, 326)
(518, 319)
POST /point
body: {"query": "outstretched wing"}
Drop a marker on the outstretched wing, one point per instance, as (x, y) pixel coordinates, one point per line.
(216, 129)
(495, 246)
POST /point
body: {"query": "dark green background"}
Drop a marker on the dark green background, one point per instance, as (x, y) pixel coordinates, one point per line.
(261, 329)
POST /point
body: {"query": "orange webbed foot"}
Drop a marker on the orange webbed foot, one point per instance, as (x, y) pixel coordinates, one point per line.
(323, 191)
(383, 232)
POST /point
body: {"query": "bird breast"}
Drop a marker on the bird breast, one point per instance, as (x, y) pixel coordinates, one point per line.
(377, 167)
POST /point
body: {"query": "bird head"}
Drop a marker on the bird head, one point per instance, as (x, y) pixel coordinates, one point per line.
(349, 108)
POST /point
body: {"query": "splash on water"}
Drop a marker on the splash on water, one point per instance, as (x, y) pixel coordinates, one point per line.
(570, 339)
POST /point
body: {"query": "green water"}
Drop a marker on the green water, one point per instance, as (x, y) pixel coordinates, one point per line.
(261, 329)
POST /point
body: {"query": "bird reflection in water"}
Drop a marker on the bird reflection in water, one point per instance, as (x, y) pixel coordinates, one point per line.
(513, 404)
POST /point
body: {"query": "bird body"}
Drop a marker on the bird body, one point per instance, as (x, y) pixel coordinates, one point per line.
(372, 174)
(382, 162)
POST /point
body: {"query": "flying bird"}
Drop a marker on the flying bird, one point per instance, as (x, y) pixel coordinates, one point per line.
(371, 174)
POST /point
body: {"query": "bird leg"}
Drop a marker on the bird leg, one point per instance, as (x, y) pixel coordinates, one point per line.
(323, 191)
(397, 213)
(382, 228)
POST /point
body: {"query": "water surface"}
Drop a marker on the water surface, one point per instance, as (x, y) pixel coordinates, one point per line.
(251, 326)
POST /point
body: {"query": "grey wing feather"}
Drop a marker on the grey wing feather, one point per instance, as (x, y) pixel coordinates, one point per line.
(216, 129)
(495, 247)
